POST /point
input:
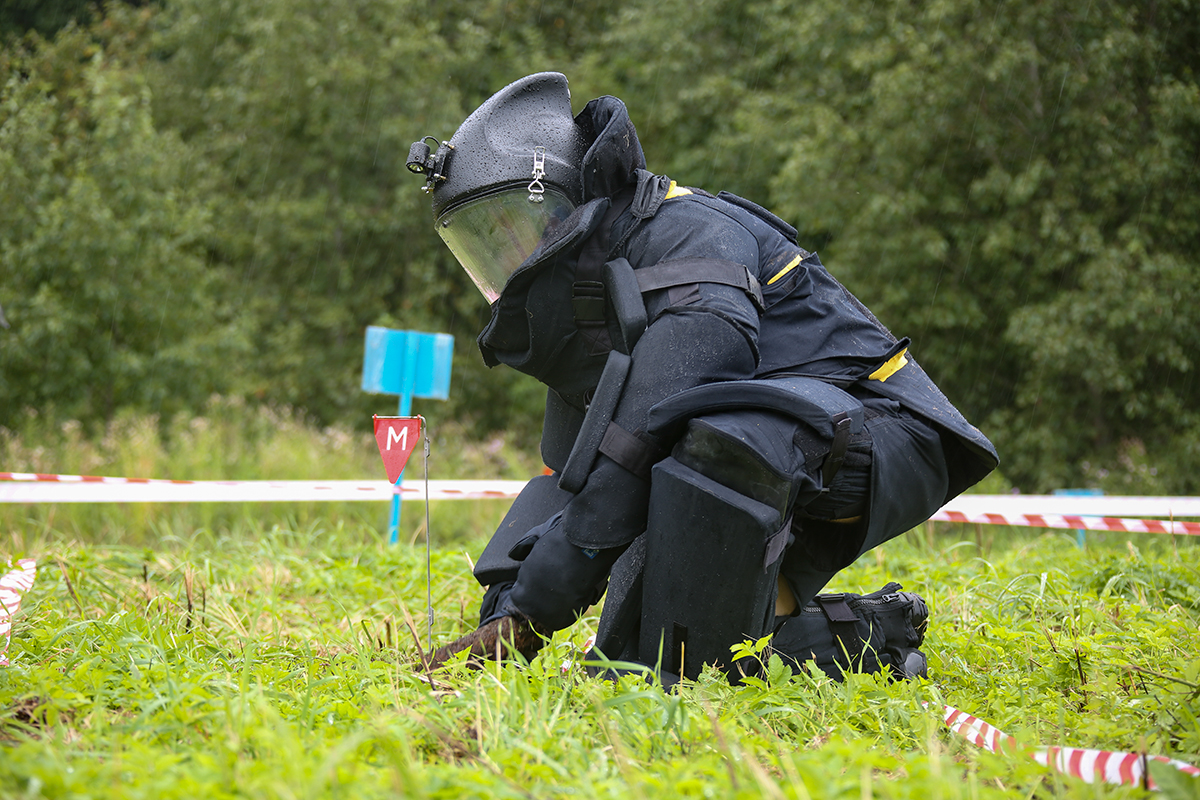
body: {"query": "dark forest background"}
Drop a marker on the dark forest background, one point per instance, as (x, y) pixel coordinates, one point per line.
(209, 196)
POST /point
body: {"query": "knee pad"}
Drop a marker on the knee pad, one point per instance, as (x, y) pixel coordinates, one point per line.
(712, 553)
(750, 452)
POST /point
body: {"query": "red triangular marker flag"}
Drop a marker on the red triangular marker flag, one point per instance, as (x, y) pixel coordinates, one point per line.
(397, 438)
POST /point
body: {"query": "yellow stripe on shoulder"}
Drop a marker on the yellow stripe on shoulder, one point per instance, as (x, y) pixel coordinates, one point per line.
(791, 266)
(675, 190)
(890, 367)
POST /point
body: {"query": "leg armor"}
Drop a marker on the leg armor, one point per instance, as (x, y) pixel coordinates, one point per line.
(723, 511)
(715, 538)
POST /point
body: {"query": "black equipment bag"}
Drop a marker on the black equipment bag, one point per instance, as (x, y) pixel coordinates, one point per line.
(857, 633)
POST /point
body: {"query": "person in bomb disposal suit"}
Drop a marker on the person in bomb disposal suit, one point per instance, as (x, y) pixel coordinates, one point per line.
(727, 425)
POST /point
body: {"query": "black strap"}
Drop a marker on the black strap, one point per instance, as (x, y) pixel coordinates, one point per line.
(587, 301)
(595, 423)
(777, 544)
(837, 449)
(842, 622)
(683, 271)
(587, 296)
(629, 451)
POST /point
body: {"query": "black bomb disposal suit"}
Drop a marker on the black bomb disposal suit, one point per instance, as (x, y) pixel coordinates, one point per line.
(727, 425)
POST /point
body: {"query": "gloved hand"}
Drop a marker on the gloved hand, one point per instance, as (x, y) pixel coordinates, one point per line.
(557, 581)
(499, 639)
(496, 602)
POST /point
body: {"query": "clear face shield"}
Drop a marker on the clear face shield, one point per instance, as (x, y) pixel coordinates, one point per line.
(493, 235)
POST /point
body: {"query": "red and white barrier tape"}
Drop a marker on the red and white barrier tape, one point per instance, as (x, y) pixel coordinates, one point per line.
(1118, 524)
(1116, 513)
(28, 487)
(1011, 505)
(13, 584)
(1092, 766)
(1035, 511)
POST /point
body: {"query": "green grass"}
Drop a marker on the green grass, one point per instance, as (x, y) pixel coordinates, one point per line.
(270, 655)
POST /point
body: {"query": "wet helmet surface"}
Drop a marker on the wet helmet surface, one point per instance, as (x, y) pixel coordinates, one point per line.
(506, 179)
(495, 147)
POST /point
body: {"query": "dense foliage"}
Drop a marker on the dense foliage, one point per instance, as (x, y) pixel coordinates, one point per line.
(210, 197)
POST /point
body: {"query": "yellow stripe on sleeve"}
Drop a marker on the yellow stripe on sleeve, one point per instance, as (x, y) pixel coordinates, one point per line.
(791, 266)
(890, 367)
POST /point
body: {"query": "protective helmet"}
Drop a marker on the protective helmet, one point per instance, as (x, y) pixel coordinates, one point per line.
(506, 178)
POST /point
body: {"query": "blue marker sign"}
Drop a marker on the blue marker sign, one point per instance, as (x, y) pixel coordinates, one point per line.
(409, 364)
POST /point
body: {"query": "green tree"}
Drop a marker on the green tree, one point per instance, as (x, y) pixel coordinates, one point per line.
(106, 288)
(1008, 184)
(306, 111)
(18, 17)
(212, 196)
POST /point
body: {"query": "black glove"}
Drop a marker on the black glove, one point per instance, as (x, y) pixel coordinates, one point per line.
(499, 639)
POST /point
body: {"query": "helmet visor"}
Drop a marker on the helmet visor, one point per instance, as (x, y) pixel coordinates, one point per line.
(494, 235)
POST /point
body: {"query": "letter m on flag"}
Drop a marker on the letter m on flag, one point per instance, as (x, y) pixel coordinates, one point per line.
(397, 437)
